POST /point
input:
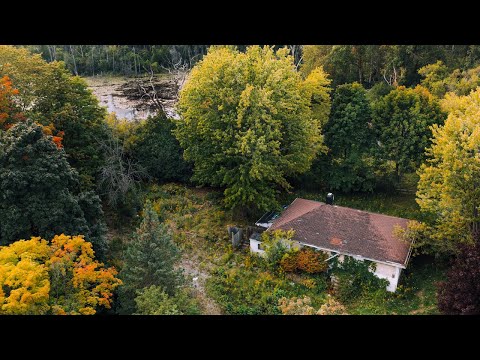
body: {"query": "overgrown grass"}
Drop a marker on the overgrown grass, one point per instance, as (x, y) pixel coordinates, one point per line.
(394, 204)
(242, 284)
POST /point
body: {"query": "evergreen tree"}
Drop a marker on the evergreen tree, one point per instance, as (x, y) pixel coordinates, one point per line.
(149, 260)
(40, 191)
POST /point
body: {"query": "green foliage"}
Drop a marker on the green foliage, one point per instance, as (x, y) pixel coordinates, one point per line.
(48, 94)
(247, 123)
(439, 80)
(154, 301)
(277, 244)
(158, 151)
(448, 189)
(254, 291)
(354, 277)
(149, 259)
(395, 64)
(119, 59)
(402, 121)
(40, 191)
(349, 137)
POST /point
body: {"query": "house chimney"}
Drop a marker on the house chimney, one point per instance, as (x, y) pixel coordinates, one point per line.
(330, 199)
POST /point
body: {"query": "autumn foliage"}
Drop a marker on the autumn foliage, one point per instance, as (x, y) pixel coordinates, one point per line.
(59, 278)
(306, 259)
(8, 112)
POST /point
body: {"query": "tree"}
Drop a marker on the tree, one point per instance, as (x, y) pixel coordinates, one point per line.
(349, 137)
(449, 188)
(48, 94)
(24, 277)
(439, 80)
(79, 283)
(40, 190)
(9, 113)
(149, 260)
(154, 301)
(460, 293)
(402, 121)
(247, 124)
(158, 151)
(60, 278)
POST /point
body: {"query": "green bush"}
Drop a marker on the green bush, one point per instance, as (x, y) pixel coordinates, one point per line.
(354, 278)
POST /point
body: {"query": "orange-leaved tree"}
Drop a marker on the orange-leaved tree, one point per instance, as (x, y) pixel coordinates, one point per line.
(62, 277)
(9, 114)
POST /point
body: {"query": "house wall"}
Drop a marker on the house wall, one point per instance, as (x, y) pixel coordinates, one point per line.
(254, 244)
(390, 273)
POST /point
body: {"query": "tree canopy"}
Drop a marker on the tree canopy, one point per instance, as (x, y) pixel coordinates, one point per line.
(449, 189)
(247, 123)
(40, 190)
(402, 121)
(48, 94)
(349, 137)
(59, 278)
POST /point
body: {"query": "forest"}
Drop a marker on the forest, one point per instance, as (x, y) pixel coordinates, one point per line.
(103, 214)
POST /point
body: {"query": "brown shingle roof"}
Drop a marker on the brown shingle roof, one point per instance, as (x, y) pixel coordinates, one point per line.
(345, 230)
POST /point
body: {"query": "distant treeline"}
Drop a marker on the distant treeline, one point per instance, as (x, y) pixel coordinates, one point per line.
(366, 64)
(89, 60)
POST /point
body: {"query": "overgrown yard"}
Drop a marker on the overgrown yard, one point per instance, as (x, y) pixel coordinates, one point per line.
(232, 281)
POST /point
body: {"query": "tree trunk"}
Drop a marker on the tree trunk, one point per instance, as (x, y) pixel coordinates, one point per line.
(74, 62)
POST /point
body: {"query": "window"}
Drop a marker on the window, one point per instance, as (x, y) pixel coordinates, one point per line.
(259, 246)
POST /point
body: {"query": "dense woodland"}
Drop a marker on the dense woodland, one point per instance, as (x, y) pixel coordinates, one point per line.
(105, 215)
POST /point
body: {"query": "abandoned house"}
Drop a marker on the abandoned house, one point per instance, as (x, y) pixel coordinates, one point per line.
(341, 231)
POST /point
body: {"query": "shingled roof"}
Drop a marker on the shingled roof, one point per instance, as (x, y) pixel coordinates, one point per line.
(345, 230)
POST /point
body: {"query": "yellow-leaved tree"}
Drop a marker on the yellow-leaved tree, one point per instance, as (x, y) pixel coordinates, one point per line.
(24, 281)
(60, 278)
(449, 186)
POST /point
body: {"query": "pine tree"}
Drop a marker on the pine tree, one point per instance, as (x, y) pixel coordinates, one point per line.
(149, 260)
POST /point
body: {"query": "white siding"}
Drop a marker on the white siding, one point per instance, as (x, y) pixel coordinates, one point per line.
(254, 247)
(390, 273)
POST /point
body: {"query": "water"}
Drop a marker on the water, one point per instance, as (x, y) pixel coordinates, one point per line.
(129, 113)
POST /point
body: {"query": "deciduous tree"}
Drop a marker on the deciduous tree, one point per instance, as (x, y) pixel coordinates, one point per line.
(60, 278)
(460, 293)
(449, 185)
(247, 124)
(402, 121)
(48, 94)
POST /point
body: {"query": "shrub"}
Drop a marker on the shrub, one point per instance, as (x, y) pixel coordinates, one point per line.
(277, 243)
(308, 260)
(332, 307)
(354, 277)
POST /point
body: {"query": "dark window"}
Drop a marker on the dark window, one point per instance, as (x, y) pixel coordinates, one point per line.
(259, 246)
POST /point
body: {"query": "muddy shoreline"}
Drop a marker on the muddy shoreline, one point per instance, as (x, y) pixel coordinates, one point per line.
(137, 98)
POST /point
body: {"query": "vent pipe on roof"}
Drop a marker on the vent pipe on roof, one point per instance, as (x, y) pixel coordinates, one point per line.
(330, 199)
